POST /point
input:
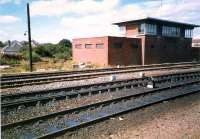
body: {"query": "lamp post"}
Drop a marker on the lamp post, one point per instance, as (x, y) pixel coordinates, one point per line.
(29, 39)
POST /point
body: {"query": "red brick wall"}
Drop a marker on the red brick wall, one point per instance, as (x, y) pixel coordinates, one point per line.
(167, 50)
(131, 30)
(155, 50)
(126, 55)
(94, 55)
(196, 53)
(108, 55)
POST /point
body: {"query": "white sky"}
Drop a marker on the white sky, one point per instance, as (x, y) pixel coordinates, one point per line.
(53, 20)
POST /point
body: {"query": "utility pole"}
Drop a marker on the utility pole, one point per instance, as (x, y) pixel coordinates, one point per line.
(29, 39)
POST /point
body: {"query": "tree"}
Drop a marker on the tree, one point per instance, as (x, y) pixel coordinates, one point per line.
(1, 44)
(49, 50)
(66, 43)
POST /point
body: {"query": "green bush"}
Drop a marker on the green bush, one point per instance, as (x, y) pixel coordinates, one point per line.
(60, 56)
(1, 44)
(62, 50)
(53, 51)
(9, 60)
(35, 56)
(45, 50)
(65, 43)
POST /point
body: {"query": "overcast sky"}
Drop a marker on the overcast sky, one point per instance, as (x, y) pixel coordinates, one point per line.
(53, 20)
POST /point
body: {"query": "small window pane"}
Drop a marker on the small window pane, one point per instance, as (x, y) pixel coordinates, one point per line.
(188, 33)
(141, 28)
(152, 46)
(170, 31)
(99, 45)
(88, 46)
(151, 29)
(117, 45)
(134, 45)
(78, 46)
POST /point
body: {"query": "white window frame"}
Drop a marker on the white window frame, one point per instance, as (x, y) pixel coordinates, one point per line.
(88, 44)
(188, 33)
(150, 29)
(170, 31)
(78, 46)
(99, 44)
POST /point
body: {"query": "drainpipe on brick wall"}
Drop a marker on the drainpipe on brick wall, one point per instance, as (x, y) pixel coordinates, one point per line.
(143, 51)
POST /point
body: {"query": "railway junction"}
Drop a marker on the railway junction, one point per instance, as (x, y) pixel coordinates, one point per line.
(77, 104)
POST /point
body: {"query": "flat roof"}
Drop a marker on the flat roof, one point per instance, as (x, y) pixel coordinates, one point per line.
(155, 20)
(108, 36)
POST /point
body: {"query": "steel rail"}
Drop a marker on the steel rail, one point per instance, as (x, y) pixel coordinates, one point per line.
(94, 105)
(9, 84)
(71, 95)
(66, 89)
(102, 118)
(84, 72)
(32, 99)
(79, 87)
(45, 74)
(114, 86)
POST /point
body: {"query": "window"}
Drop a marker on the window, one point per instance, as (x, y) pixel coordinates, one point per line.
(147, 29)
(122, 29)
(151, 29)
(152, 46)
(117, 45)
(88, 46)
(188, 33)
(134, 45)
(170, 31)
(78, 46)
(99, 45)
(141, 29)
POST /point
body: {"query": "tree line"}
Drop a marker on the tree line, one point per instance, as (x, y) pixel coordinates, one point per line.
(61, 50)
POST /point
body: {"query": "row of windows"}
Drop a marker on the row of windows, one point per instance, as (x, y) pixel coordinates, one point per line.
(100, 45)
(188, 33)
(151, 29)
(119, 45)
(147, 29)
(170, 31)
(115, 45)
(88, 46)
(166, 30)
(165, 46)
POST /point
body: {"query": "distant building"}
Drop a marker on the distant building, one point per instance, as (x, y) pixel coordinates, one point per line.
(196, 48)
(146, 41)
(11, 48)
(14, 47)
(196, 43)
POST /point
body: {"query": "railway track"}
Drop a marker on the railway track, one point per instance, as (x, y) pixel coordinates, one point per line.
(55, 124)
(6, 77)
(55, 78)
(27, 99)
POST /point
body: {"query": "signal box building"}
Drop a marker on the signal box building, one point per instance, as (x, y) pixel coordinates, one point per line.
(146, 41)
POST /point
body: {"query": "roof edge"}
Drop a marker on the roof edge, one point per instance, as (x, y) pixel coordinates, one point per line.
(156, 20)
